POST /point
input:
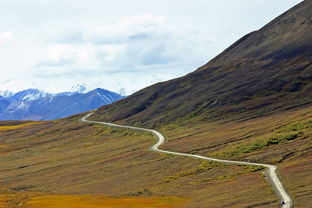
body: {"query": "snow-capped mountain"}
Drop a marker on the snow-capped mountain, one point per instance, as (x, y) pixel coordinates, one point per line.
(80, 88)
(33, 104)
(6, 93)
(29, 95)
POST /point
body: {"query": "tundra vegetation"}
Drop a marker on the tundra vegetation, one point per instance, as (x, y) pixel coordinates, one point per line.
(251, 103)
(84, 162)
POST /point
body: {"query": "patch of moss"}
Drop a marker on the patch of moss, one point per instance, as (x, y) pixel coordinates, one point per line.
(204, 166)
(251, 168)
(295, 126)
(281, 135)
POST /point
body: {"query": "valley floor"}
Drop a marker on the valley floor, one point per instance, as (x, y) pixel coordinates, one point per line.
(70, 161)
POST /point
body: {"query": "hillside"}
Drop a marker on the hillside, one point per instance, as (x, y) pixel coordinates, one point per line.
(33, 104)
(266, 71)
(65, 162)
(250, 103)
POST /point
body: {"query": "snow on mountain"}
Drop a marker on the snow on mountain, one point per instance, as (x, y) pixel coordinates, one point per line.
(63, 94)
(33, 103)
(122, 91)
(35, 96)
(105, 95)
(22, 106)
(75, 89)
(6, 93)
(80, 88)
(29, 95)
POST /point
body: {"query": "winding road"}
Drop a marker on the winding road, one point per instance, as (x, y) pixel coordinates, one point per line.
(271, 170)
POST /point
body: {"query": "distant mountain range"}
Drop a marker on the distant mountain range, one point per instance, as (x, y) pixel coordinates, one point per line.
(33, 104)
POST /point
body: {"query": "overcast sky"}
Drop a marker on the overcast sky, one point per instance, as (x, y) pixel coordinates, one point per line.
(113, 44)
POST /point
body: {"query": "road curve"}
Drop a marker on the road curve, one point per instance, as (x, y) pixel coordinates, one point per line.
(271, 170)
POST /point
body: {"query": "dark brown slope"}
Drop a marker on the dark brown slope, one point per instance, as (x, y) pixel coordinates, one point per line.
(266, 71)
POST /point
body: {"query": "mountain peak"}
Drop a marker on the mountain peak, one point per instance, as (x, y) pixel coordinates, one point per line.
(285, 37)
(30, 94)
(79, 88)
(100, 90)
(33, 103)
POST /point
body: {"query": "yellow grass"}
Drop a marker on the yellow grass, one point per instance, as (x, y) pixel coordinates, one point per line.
(3, 201)
(97, 201)
(6, 128)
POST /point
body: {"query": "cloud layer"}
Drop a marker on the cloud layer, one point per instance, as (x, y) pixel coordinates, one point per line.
(57, 44)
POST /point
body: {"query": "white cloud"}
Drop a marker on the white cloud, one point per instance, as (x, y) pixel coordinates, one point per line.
(5, 37)
(127, 28)
(56, 62)
(133, 44)
(55, 44)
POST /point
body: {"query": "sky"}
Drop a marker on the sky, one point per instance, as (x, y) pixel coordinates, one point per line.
(119, 45)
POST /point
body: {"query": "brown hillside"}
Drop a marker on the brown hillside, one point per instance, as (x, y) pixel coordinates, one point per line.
(266, 71)
(66, 163)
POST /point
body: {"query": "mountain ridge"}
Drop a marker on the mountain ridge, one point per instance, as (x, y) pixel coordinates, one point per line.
(33, 104)
(266, 71)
